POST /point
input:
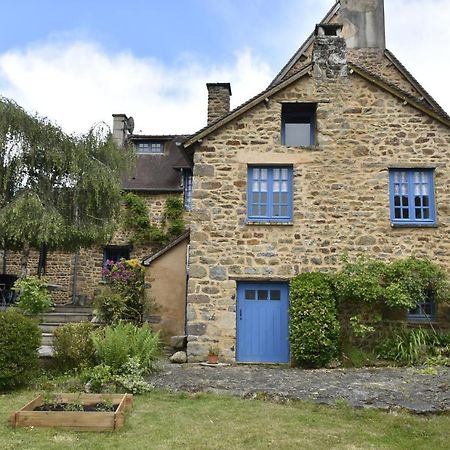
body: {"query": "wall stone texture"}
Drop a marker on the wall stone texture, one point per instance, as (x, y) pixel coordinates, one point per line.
(340, 197)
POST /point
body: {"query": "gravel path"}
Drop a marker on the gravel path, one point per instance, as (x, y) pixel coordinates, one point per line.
(384, 388)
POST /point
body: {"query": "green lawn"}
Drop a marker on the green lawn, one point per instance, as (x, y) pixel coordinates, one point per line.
(161, 420)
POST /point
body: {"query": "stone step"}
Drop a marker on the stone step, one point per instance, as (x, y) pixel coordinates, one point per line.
(49, 327)
(58, 317)
(72, 309)
(47, 339)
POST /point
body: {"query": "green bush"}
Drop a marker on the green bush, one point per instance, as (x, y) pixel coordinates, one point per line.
(314, 327)
(128, 378)
(115, 344)
(20, 342)
(73, 346)
(109, 306)
(33, 295)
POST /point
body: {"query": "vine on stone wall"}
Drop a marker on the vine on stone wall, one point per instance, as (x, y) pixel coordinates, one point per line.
(137, 221)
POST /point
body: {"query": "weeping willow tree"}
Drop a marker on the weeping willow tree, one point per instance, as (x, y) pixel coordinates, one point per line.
(56, 190)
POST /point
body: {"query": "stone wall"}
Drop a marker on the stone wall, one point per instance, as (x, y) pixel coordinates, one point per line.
(341, 201)
(60, 267)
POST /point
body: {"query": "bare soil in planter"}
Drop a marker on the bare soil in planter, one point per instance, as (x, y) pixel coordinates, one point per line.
(97, 407)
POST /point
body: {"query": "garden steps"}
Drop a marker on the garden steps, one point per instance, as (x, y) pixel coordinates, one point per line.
(58, 316)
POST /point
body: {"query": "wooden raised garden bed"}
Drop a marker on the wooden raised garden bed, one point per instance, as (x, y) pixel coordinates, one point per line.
(59, 415)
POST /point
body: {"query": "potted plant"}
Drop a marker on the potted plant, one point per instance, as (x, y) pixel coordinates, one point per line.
(213, 354)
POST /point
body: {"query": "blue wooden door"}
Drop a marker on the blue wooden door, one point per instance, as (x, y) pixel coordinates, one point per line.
(262, 322)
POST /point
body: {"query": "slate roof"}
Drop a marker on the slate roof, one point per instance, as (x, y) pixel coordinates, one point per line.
(159, 172)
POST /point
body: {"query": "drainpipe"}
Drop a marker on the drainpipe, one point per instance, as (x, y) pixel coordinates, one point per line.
(186, 290)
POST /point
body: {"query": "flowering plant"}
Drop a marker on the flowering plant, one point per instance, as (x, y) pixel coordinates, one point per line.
(125, 291)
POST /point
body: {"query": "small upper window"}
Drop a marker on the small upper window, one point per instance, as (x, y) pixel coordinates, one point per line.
(149, 147)
(298, 124)
(412, 196)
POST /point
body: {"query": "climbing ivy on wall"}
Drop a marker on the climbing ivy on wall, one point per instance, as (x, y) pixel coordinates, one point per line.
(137, 221)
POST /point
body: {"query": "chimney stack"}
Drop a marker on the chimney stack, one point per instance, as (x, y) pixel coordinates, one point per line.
(119, 128)
(218, 100)
(329, 51)
(363, 23)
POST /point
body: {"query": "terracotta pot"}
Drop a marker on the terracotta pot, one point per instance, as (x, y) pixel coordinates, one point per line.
(213, 359)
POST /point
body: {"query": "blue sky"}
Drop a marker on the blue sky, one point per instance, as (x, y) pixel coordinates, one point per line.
(79, 61)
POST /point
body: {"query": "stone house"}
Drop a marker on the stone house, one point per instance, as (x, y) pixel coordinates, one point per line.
(344, 153)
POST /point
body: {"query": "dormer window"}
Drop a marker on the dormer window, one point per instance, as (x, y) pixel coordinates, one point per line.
(149, 147)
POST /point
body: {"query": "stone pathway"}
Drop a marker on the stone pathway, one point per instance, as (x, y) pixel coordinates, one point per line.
(383, 388)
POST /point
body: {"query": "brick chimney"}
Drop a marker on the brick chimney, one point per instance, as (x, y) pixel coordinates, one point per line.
(363, 23)
(218, 100)
(329, 52)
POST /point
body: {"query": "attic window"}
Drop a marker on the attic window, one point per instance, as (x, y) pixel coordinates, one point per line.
(149, 147)
(298, 124)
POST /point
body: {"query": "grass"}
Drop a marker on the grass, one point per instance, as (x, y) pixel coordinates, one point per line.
(161, 420)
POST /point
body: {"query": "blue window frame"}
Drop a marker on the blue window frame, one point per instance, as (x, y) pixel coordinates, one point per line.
(187, 189)
(411, 194)
(425, 310)
(270, 194)
(298, 124)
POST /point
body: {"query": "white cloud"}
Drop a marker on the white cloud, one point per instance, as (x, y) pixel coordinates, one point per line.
(78, 84)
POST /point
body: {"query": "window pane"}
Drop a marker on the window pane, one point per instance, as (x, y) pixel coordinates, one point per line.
(250, 294)
(284, 211)
(263, 197)
(276, 198)
(263, 294)
(297, 134)
(263, 174)
(275, 294)
(263, 211)
(276, 186)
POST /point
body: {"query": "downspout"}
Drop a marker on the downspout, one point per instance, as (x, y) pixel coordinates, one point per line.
(186, 290)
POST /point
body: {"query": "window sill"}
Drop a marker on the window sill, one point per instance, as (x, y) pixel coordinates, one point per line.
(261, 222)
(303, 147)
(414, 225)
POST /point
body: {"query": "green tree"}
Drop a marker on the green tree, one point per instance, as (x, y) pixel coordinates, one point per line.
(56, 190)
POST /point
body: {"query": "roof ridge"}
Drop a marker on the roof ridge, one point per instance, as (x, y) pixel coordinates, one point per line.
(149, 259)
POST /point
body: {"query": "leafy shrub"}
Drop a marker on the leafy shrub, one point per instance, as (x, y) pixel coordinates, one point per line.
(109, 306)
(115, 344)
(402, 283)
(73, 346)
(314, 328)
(99, 378)
(131, 377)
(128, 378)
(33, 295)
(20, 341)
